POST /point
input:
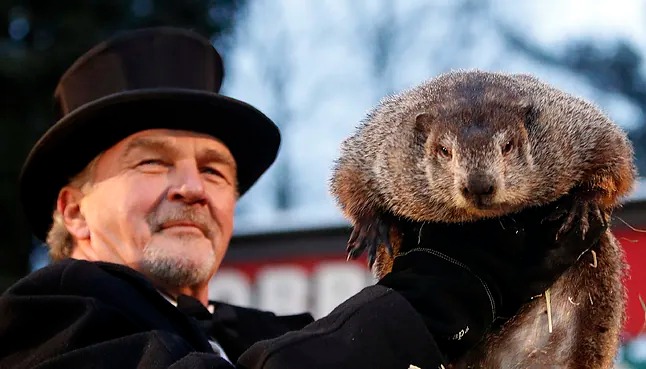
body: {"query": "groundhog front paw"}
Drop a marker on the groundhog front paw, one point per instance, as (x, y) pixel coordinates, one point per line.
(578, 211)
(369, 233)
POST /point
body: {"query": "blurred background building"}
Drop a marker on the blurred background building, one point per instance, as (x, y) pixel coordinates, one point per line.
(316, 68)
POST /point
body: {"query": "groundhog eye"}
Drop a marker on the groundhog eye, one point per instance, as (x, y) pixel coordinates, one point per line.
(506, 148)
(444, 151)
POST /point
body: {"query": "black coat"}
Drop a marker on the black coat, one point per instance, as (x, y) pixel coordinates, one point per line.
(75, 314)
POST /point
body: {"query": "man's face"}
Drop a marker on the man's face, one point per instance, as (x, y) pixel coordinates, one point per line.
(162, 202)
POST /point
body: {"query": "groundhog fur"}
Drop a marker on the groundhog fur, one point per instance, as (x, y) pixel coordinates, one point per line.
(474, 145)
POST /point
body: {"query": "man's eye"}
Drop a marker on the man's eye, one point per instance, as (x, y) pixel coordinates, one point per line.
(213, 171)
(152, 162)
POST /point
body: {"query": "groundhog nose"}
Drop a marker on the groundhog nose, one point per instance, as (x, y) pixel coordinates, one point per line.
(479, 190)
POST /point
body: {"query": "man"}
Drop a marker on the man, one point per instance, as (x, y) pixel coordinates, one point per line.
(134, 189)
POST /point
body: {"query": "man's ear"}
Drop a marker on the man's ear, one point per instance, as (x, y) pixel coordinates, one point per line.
(69, 205)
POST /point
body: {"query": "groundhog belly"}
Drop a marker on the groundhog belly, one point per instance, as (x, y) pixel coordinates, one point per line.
(587, 311)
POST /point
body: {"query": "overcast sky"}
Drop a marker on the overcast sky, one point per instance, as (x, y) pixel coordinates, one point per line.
(314, 68)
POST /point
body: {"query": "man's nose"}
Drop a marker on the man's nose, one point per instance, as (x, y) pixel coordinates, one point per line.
(187, 184)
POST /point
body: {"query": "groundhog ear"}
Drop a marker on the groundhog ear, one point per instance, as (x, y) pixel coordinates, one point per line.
(528, 111)
(423, 122)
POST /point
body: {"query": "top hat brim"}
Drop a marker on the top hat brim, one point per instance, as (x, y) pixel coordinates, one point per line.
(76, 139)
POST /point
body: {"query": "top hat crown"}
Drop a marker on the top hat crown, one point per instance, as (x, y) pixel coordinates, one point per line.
(138, 60)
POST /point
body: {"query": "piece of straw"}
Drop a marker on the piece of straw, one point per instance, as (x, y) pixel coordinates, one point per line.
(549, 310)
(643, 308)
(594, 259)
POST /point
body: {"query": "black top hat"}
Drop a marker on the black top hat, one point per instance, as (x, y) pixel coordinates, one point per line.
(150, 78)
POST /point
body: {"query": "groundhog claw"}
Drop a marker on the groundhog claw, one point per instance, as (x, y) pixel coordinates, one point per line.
(581, 211)
(369, 233)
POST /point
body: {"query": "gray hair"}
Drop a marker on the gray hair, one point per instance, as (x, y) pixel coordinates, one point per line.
(59, 239)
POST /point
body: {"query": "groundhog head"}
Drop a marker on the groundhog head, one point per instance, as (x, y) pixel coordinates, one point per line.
(471, 145)
(474, 150)
(478, 154)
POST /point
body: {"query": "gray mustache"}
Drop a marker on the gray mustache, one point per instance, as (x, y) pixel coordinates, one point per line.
(199, 217)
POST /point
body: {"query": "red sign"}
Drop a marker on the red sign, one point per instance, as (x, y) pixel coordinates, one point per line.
(634, 243)
(318, 284)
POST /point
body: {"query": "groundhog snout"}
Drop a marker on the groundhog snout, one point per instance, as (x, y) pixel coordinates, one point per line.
(479, 190)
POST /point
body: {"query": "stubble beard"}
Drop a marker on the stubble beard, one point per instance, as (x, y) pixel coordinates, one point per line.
(169, 265)
(176, 270)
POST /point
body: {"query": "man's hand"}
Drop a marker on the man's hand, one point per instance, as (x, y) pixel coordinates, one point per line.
(462, 277)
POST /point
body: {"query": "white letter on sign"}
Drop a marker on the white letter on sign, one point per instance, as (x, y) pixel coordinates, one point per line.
(282, 289)
(230, 286)
(335, 282)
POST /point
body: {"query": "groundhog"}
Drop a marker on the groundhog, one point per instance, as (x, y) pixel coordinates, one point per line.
(469, 146)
